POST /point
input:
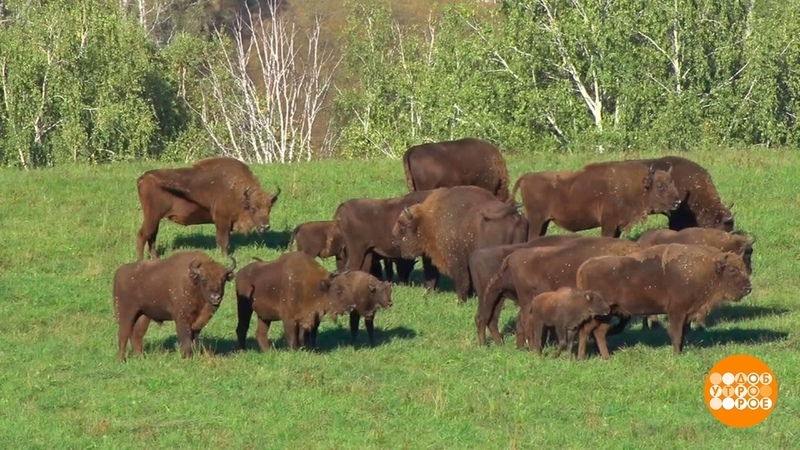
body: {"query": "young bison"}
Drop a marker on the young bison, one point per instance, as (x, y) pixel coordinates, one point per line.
(222, 191)
(612, 195)
(565, 309)
(453, 222)
(683, 281)
(294, 289)
(187, 288)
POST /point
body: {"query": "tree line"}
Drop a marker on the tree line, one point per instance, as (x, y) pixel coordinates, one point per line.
(97, 81)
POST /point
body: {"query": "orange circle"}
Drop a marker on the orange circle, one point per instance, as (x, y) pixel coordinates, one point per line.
(740, 404)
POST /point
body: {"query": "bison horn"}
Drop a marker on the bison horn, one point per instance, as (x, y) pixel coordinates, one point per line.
(652, 169)
(194, 266)
(257, 258)
(407, 212)
(669, 171)
(232, 266)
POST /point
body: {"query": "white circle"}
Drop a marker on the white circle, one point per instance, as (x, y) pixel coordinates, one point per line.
(727, 378)
(727, 403)
(715, 403)
(752, 378)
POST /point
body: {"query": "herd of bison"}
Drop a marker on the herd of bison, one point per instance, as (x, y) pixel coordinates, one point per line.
(462, 219)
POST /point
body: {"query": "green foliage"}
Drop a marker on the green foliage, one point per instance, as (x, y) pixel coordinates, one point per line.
(427, 384)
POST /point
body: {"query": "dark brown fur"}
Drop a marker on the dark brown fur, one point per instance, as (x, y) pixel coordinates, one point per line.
(528, 272)
(565, 310)
(365, 227)
(222, 191)
(719, 239)
(186, 288)
(701, 205)
(463, 162)
(295, 289)
(612, 195)
(485, 262)
(453, 222)
(683, 281)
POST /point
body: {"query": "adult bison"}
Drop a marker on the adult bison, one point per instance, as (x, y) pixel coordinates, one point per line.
(186, 288)
(312, 238)
(719, 239)
(294, 289)
(612, 195)
(222, 191)
(485, 262)
(683, 281)
(463, 162)
(528, 272)
(364, 226)
(701, 205)
(453, 222)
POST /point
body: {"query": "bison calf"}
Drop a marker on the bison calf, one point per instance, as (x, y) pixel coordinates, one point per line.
(186, 288)
(294, 289)
(565, 310)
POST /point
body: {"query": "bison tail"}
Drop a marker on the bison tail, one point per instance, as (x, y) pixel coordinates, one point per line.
(517, 185)
(493, 290)
(407, 170)
(500, 167)
(292, 238)
(333, 232)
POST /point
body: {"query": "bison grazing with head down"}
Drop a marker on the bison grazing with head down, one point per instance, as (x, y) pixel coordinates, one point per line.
(700, 202)
(222, 191)
(453, 222)
(612, 195)
(187, 288)
(295, 289)
(683, 281)
(464, 162)
(719, 239)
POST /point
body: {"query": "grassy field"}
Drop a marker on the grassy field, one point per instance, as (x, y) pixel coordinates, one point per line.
(426, 385)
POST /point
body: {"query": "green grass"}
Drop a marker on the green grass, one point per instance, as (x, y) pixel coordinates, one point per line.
(428, 384)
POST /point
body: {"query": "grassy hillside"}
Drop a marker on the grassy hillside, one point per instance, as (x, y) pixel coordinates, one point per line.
(427, 383)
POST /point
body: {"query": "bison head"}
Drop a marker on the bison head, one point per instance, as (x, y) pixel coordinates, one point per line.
(380, 292)
(595, 303)
(210, 278)
(405, 233)
(662, 195)
(340, 299)
(723, 219)
(733, 276)
(259, 203)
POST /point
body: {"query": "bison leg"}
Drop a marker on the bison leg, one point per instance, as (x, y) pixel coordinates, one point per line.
(370, 326)
(355, 319)
(223, 236)
(313, 333)
(563, 336)
(537, 336)
(137, 337)
(126, 323)
(404, 269)
(387, 267)
(494, 321)
(290, 332)
(262, 332)
(600, 339)
(244, 308)
(678, 327)
(431, 274)
(184, 338)
(462, 284)
(373, 262)
(147, 233)
(520, 331)
(340, 263)
(610, 230)
(583, 336)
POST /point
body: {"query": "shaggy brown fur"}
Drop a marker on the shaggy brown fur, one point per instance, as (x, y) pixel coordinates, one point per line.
(612, 195)
(485, 262)
(683, 281)
(295, 289)
(701, 205)
(222, 191)
(187, 288)
(365, 227)
(453, 222)
(719, 239)
(463, 162)
(565, 310)
(528, 272)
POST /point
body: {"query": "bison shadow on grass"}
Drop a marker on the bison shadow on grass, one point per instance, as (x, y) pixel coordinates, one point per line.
(327, 340)
(208, 241)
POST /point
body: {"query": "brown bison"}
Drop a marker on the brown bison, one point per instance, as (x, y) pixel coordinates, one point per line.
(186, 288)
(701, 205)
(612, 195)
(528, 272)
(222, 191)
(565, 310)
(295, 289)
(719, 239)
(364, 225)
(464, 162)
(485, 262)
(453, 222)
(311, 238)
(683, 281)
